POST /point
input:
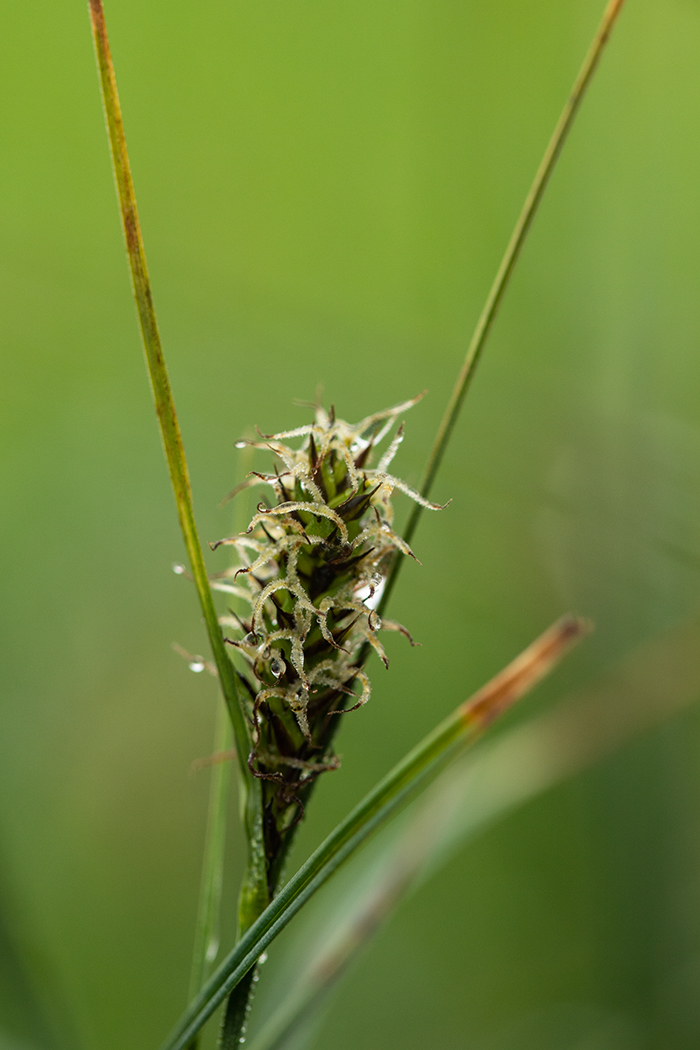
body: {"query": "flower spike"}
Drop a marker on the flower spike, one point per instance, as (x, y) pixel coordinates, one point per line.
(312, 567)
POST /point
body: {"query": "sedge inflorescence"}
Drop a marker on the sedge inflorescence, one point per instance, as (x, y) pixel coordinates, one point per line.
(311, 567)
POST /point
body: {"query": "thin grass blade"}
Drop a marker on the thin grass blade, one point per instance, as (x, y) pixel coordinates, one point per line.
(158, 374)
(656, 681)
(172, 439)
(462, 727)
(206, 944)
(207, 929)
(505, 271)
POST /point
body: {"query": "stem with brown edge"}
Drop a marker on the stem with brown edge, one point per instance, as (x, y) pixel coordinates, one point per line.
(255, 895)
(457, 731)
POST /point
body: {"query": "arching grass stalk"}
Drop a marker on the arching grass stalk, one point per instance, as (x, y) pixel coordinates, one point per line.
(207, 928)
(465, 725)
(649, 685)
(505, 272)
(174, 449)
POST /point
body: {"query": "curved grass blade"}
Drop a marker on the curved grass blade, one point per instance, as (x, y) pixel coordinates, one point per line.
(172, 440)
(653, 683)
(207, 929)
(206, 943)
(505, 271)
(160, 383)
(462, 727)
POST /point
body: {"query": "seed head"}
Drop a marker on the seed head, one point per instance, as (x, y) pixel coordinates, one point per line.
(311, 566)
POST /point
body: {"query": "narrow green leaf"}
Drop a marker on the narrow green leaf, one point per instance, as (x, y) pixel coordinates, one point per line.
(505, 271)
(170, 430)
(462, 727)
(206, 944)
(160, 383)
(654, 682)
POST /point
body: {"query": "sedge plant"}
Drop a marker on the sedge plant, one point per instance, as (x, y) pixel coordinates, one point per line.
(311, 579)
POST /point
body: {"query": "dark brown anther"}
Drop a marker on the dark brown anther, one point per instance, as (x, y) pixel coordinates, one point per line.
(232, 612)
(286, 620)
(344, 564)
(317, 478)
(356, 505)
(362, 457)
(342, 635)
(407, 634)
(285, 494)
(264, 528)
(265, 437)
(347, 710)
(258, 774)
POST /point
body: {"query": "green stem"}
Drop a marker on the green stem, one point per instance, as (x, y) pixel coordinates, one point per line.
(463, 726)
(207, 930)
(160, 383)
(505, 271)
(170, 433)
(236, 1013)
(651, 684)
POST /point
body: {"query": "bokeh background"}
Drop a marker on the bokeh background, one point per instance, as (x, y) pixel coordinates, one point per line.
(325, 191)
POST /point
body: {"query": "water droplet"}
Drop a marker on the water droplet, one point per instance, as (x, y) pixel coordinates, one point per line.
(251, 638)
(197, 665)
(263, 958)
(375, 622)
(277, 667)
(241, 444)
(178, 569)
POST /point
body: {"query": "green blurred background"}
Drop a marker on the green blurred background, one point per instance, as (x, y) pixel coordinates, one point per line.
(325, 191)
